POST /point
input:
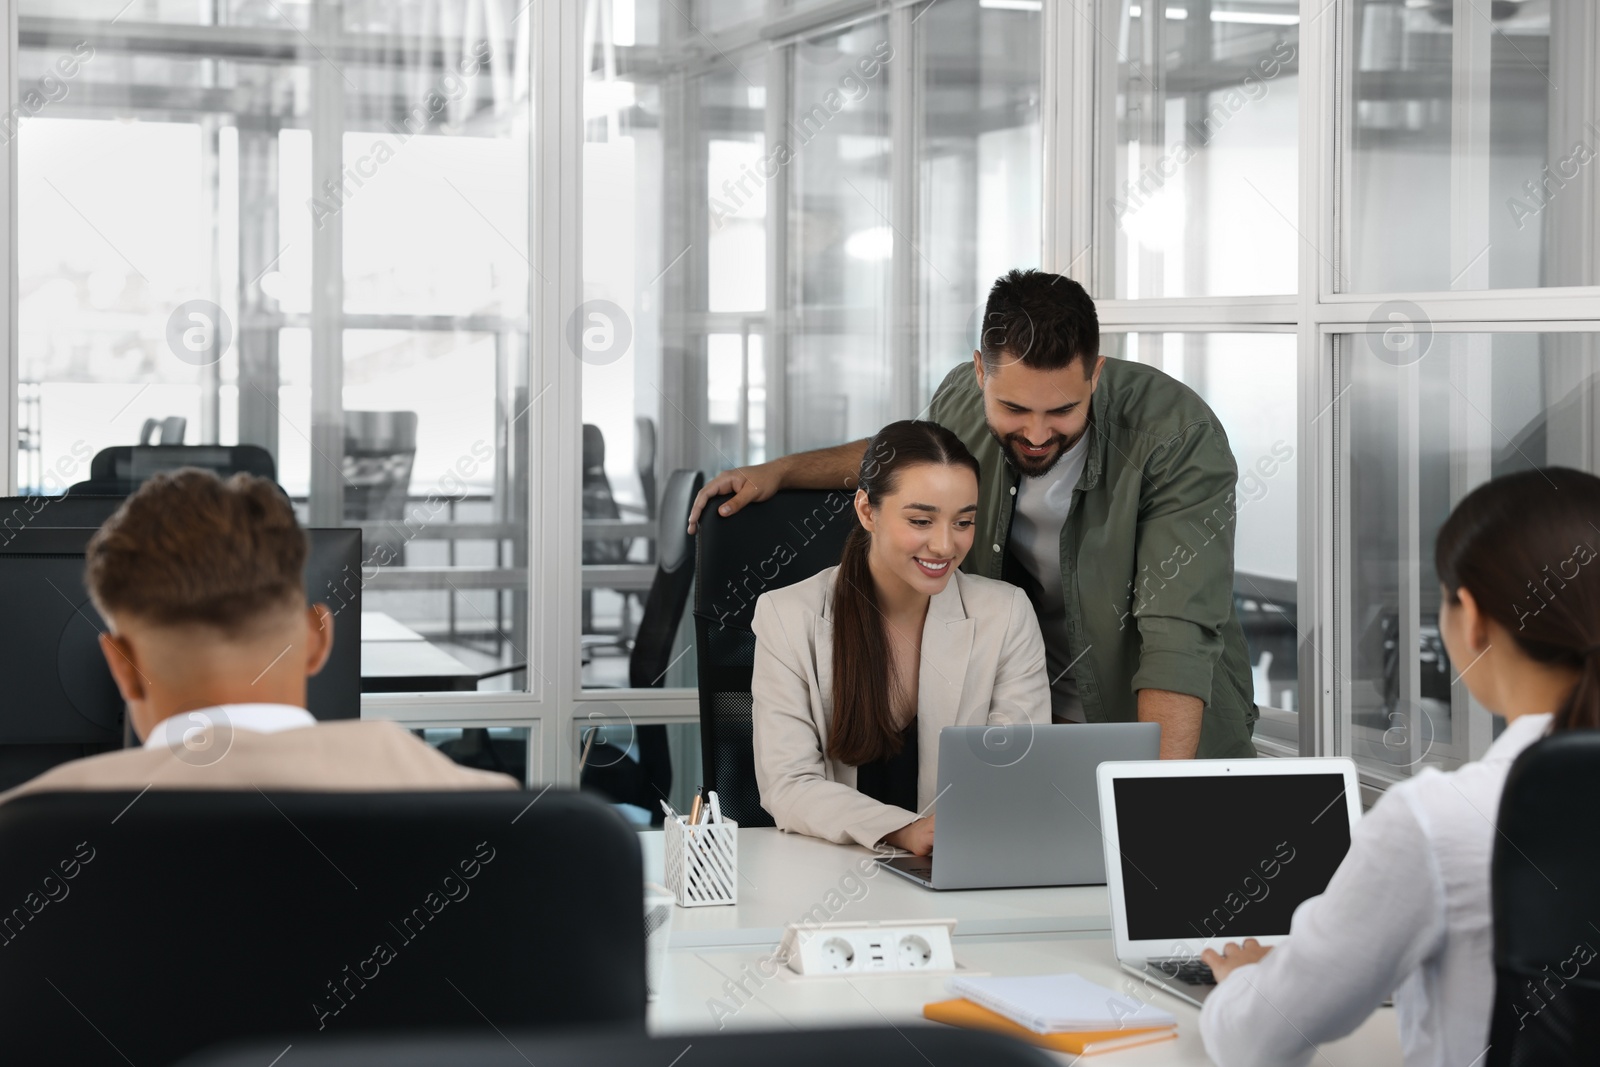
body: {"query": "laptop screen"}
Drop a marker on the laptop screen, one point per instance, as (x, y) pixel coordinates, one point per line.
(1226, 856)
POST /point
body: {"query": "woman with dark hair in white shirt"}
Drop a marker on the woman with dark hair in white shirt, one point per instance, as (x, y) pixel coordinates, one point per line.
(1407, 912)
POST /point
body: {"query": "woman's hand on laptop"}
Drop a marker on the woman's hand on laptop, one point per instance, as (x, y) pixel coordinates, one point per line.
(1233, 956)
(915, 838)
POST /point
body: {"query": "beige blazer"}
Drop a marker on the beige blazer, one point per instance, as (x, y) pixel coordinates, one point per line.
(982, 662)
(357, 755)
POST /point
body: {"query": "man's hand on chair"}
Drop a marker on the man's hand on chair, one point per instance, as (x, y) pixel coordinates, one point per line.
(749, 485)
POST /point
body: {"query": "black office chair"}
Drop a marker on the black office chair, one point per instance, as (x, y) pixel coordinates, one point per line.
(380, 448)
(649, 781)
(644, 460)
(119, 470)
(148, 927)
(908, 1046)
(1544, 882)
(766, 546)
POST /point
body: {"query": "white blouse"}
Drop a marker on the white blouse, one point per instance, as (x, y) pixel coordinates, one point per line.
(1406, 913)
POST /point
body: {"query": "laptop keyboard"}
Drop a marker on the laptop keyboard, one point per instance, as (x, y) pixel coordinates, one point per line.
(917, 865)
(1189, 972)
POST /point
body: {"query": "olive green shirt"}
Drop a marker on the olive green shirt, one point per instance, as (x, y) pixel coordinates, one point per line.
(1146, 554)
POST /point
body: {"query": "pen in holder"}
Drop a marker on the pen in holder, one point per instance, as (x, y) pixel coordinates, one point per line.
(702, 862)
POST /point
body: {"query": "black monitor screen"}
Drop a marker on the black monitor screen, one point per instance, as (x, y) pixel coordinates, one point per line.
(1226, 856)
(58, 688)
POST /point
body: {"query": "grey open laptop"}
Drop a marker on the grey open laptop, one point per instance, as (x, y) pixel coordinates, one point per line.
(1204, 852)
(1017, 804)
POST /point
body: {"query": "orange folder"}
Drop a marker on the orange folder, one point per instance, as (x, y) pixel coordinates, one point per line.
(963, 1012)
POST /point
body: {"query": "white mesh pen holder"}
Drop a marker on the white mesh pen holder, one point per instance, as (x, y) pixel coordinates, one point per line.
(702, 862)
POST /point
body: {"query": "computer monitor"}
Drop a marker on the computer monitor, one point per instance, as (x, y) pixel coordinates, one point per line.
(60, 692)
(19, 512)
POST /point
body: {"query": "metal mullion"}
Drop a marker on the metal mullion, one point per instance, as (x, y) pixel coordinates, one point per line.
(327, 284)
(775, 350)
(904, 171)
(1157, 327)
(1510, 305)
(554, 411)
(1322, 550)
(1221, 311)
(1469, 147)
(1471, 464)
(8, 221)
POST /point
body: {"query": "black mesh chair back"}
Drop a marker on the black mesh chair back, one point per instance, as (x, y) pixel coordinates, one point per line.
(120, 469)
(1544, 885)
(648, 781)
(148, 927)
(878, 1047)
(766, 546)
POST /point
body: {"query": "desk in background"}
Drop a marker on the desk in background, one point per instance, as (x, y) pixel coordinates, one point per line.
(783, 877)
(397, 659)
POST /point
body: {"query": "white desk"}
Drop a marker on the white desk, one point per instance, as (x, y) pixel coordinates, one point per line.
(695, 999)
(783, 877)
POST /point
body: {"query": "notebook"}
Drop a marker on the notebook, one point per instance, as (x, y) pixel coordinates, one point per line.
(1050, 1003)
(965, 1013)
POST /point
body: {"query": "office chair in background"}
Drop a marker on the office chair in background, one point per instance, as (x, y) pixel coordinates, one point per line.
(304, 913)
(649, 781)
(167, 431)
(380, 448)
(644, 460)
(120, 469)
(1544, 882)
(766, 546)
(600, 503)
(860, 1047)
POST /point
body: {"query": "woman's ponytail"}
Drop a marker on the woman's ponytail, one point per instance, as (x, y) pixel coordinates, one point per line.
(1583, 707)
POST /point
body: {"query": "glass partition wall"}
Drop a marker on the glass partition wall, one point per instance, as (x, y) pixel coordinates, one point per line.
(300, 229)
(790, 213)
(1406, 188)
(481, 276)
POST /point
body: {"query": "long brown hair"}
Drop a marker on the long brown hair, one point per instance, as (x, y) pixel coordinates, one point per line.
(1526, 546)
(864, 686)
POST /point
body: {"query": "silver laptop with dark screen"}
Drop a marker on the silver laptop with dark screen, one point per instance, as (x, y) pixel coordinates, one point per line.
(1017, 804)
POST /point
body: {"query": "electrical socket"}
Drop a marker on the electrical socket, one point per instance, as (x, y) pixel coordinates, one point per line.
(854, 948)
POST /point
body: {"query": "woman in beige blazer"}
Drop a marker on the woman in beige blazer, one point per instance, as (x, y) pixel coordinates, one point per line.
(858, 668)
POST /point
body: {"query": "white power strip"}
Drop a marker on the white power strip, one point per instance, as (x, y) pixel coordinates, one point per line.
(861, 948)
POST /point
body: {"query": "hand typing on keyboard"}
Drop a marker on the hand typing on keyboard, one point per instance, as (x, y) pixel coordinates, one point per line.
(1234, 956)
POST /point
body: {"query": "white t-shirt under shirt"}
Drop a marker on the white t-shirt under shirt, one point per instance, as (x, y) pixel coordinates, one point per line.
(1043, 505)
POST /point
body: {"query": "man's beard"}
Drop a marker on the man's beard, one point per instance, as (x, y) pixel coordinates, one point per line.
(1032, 466)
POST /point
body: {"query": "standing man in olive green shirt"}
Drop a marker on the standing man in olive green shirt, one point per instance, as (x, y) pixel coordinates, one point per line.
(1107, 492)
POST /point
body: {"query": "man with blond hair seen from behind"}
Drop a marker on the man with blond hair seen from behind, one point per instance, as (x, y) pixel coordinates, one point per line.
(210, 640)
